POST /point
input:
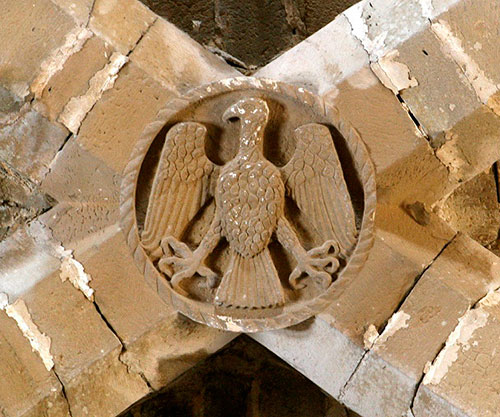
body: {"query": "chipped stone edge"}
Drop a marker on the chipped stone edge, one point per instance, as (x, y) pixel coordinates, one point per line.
(75, 39)
(452, 47)
(39, 341)
(73, 271)
(77, 108)
(473, 319)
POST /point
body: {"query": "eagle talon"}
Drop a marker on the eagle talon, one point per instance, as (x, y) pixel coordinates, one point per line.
(185, 264)
(319, 263)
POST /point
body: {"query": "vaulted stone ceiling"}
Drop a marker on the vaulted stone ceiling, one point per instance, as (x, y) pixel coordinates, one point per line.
(415, 332)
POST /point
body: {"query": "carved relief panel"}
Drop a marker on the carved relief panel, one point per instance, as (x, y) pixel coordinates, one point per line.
(248, 204)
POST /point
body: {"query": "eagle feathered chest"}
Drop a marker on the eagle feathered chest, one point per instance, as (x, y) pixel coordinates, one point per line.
(250, 194)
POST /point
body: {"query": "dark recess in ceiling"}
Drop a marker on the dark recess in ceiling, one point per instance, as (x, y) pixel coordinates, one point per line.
(252, 32)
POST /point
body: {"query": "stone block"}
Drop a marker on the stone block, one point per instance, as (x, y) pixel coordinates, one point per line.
(378, 389)
(27, 388)
(85, 351)
(406, 167)
(130, 306)
(78, 10)
(382, 25)
(390, 373)
(470, 30)
(106, 388)
(318, 350)
(33, 30)
(27, 258)
(73, 79)
(176, 61)
(172, 347)
(30, 143)
(467, 371)
(431, 312)
(471, 146)
(321, 61)
(470, 269)
(429, 404)
(473, 209)
(115, 123)
(443, 95)
(389, 272)
(418, 236)
(121, 23)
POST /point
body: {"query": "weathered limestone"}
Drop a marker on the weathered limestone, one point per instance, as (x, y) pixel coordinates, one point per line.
(316, 349)
(176, 61)
(73, 79)
(321, 69)
(78, 10)
(468, 34)
(438, 102)
(34, 31)
(472, 145)
(110, 130)
(473, 209)
(30, 142)
(121, 23)
(85, 351)
(32, 390)
(429, 314)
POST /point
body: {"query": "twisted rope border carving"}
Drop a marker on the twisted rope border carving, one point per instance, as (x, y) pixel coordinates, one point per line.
(206, 313)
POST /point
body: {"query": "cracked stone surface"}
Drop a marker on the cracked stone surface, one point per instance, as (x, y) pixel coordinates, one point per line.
(414, 333)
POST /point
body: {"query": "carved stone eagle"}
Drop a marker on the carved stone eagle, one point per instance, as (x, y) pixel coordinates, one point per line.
(249, 198)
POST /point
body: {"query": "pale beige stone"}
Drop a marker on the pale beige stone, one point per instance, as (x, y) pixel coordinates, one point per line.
(472, 145)
(34, 30)
(121, 22)
(27, 388)
(472, 25)
(85, 350)
(30, 143)
(318, 350)
(327, 57)
(176, 61)
(469, 363)
(401, 251)
(114, 125)
(405, 165)
(443, 95)
(73, 79)
(78, 10)
(382, 25)
(473, 209)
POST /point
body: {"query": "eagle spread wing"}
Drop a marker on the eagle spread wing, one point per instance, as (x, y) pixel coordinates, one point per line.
(315, 181)
(181, 185)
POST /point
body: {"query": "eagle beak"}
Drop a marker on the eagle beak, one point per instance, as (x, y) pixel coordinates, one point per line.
(230, 113)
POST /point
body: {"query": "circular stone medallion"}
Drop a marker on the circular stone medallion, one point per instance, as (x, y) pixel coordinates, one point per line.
(248, 204)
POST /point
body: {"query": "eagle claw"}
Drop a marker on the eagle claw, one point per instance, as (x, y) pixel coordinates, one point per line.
(319, 263)
(185, 264)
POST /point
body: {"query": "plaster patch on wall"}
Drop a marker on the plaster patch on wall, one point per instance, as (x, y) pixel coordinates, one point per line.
(4, 300)
(397, 322)
(427, 8)
(39, 342)
(458, 339)
(73, 271)
(375, 47)
(393, 75)
(452, 46)
(77, 108)
(370, 336)
(73, 43)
